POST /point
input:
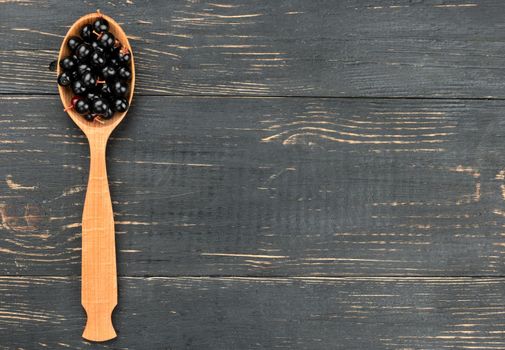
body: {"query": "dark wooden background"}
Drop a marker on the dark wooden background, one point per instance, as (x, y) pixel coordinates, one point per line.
(292, 175)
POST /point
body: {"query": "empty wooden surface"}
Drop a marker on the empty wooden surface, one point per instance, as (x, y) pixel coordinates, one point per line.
(292, 174)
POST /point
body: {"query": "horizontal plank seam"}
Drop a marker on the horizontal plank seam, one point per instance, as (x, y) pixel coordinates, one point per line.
(476, 277)
(15, 94)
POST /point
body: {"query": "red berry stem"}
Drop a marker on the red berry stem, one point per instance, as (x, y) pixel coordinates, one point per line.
(98, 35)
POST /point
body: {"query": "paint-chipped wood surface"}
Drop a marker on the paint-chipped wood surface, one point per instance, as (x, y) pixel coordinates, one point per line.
(294, 47)
(292, 174)
(264, 313)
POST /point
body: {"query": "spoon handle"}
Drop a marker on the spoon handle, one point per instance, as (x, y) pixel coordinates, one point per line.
(99, 279)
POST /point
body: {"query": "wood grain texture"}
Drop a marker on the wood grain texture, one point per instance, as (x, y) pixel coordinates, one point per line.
(256, 313)
(98, 263)
(263, 187)
(292, 47)
(263, 219)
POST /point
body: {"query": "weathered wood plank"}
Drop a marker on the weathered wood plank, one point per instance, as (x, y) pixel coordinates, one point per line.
(318, 48)
(263, 187)
(254, 313)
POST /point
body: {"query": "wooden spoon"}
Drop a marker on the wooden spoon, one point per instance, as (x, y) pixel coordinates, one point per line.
(99, 279)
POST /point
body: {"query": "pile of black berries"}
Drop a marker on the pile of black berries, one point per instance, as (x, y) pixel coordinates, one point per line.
(97, 71)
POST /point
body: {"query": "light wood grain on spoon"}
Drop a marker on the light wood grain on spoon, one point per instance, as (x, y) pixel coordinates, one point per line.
(99, 276)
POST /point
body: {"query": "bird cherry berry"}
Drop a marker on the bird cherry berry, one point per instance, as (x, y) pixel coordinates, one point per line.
(73, 42)
(73, 103)
(124, 56)
(101, 25)
(87, 33)
(64, 79)
(82, 106)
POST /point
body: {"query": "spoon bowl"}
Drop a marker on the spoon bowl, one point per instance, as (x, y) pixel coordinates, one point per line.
(99, 275)
(66, 93)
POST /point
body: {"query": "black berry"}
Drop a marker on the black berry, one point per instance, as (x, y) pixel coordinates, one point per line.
(99, 106)
(120, 105)
(124, 57)
(97, 48)
(119, 88)
(64, 79)
(78, 87)
(108, 72)
(97, 59)
(68, 63)
(87, 33)
(73, 42)
(82, 106)
(105, 89)
(74, 75)
(83, 68)
(114, 61)
(108, 113)
(83, 52)
(88, 80)
(106, 40)
(100, 25)
(124, 73)
(91, 95)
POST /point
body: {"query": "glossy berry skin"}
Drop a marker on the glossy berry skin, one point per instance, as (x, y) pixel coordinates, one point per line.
(73, 42)
(75, 58)
(99, 106)
(64, 79)
(114, 61)
(101, 25)
(74, 75)
(91, 95)
(119, 88)
(124, 73)
(105, 89)
(88, 80)
(108, 113)
(97, 48)
(89, 117)
(108, 72)
(78, 87)
(120, 105)
(68, 64)
(87, 33)
(83, 52)
(114, 52)
(98, 60)
(83, 68)
(124, 57)
(82, 106)
(106, 40)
